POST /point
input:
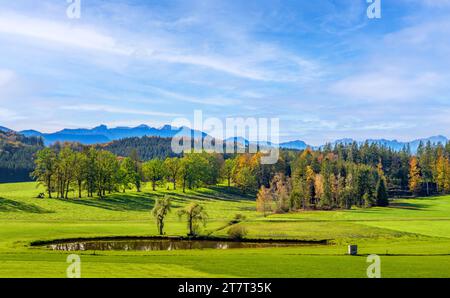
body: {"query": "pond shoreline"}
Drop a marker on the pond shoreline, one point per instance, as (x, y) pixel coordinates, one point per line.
(39, 243)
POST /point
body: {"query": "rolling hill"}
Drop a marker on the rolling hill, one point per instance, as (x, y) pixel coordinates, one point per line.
(17, 155)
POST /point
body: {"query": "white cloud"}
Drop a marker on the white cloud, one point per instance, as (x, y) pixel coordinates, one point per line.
(58, 32)
(7, 115)
(116, 110)
(186, 98)
(387, 85)
(247, 63)
(407, 65)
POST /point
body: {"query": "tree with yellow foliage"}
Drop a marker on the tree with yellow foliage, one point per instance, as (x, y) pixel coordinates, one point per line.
(415, 178)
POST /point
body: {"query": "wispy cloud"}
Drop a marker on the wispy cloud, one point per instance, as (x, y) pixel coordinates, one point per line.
(165, 49)
(205, 101)
(9, 115)
(385, 86)
(116, 110)
(61, 33)
(321, 66)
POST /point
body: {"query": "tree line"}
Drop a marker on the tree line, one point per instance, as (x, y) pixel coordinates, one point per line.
(342, 176)
(98, 172)
(349, 175)
(323, 181)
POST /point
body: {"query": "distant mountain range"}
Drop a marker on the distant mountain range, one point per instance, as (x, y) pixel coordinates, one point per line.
(397, 145)
(295, 145)
(4, 129)
(103, 134)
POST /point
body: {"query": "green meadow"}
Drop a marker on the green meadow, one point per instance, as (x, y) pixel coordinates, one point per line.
(412, 236)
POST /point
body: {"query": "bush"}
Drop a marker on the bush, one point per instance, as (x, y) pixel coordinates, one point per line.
(237, 232)
(237, 219)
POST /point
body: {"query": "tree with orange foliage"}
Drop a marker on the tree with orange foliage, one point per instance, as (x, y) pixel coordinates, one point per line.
(264, 200)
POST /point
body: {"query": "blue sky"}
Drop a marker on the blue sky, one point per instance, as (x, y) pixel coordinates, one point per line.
(322, 67)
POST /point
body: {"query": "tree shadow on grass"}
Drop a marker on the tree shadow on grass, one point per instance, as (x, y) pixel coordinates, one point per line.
(14, 206)
(408, 206)
(120, 202)
(219, 193)
(232, 193)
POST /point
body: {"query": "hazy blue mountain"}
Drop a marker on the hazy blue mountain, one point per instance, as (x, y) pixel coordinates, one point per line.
(434, 140)
(103, 134)
(296, 145)
(31, 133)
(238, 140)
(5, 129)
(346, 141)
(397, 145)
(244, 141)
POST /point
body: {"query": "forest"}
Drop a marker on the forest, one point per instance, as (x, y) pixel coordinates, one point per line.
(338, 177)
(16, 156)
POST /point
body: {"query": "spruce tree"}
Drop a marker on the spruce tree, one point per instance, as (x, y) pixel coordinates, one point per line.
(382, 195)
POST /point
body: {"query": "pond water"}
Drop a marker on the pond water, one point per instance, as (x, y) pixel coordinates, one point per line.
(166, 244)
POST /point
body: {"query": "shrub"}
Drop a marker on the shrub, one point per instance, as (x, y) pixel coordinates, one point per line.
(237, 219)
(237, 232)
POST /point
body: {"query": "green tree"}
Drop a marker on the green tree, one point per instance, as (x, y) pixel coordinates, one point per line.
(79, 170)
(382, 195)
(195, 215)
(66, 165)
(107, 168)
(134, 156)
(192, 170)
(382, 198)
(130, 174)
(246, 180)
(160, 210)
(91, 171)
(173, 169)
(227, 170)
(154, 171)
(427, 160)
(45, 168)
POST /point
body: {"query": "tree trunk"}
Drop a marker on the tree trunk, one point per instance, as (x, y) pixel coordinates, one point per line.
(153, 185)
(229, 181)
(79, 189)
(174, 184)
(49, 187)
(191, 233)
(161, 227)
(67, 192)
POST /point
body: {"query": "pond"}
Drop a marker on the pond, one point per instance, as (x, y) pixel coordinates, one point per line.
(166, 244)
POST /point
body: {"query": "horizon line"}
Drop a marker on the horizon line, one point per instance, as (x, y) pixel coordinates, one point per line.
(343, 139)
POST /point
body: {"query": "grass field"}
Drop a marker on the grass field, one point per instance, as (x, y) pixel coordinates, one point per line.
(412, 237)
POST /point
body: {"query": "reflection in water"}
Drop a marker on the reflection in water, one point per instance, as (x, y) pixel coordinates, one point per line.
(167, 244)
